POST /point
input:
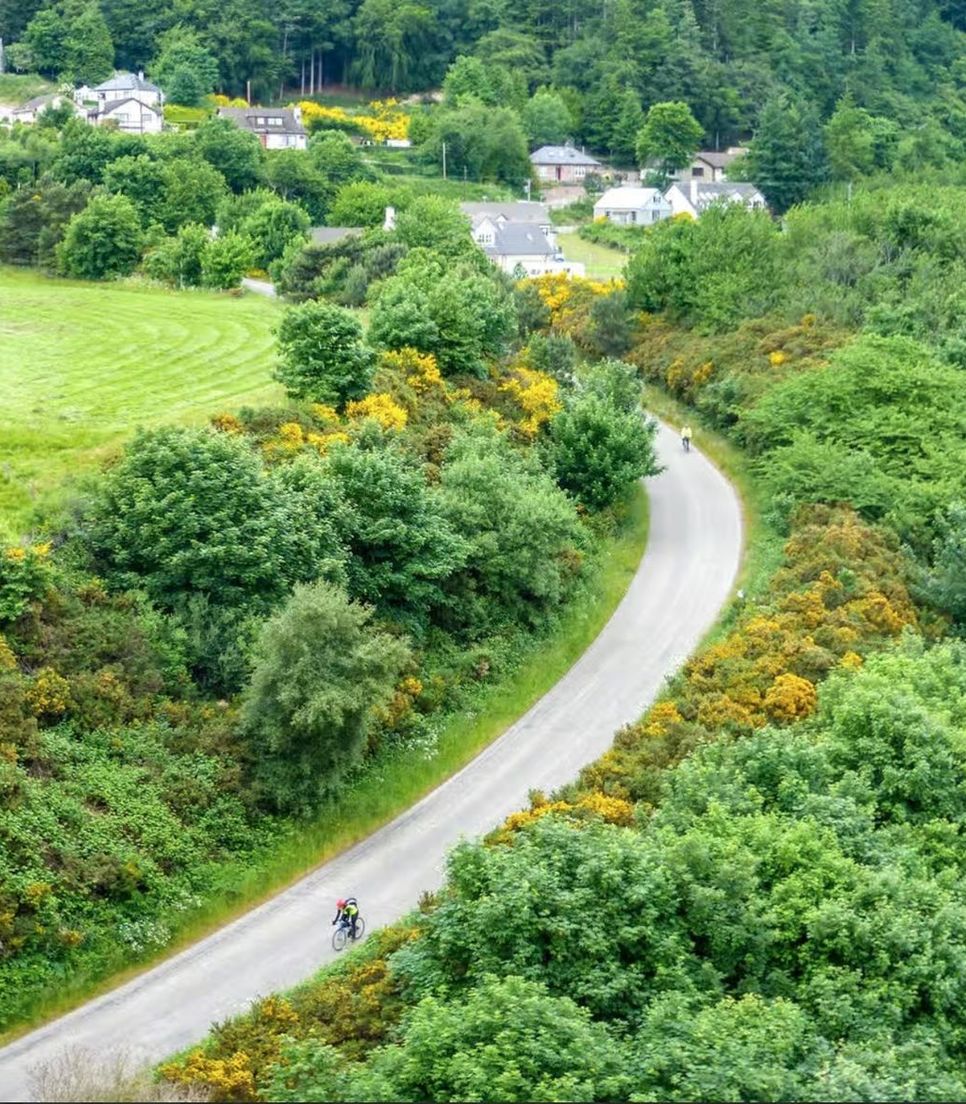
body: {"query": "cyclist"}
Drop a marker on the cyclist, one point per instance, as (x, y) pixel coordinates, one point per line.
(347, 910)
(686, 436)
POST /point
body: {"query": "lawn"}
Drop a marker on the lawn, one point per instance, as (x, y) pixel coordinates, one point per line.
(602, 262)
(81, 365)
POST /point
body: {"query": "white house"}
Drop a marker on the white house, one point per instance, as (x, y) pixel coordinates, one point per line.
(123, 86)
(563, 164)
(130, 115)
(275, 127)
(521, 248)
(529, 212)
(32, 109)
(632, 206)
(709, 166)
(693, 196)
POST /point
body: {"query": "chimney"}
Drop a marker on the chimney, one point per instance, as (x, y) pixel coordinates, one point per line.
(389, 222)
(140, 74)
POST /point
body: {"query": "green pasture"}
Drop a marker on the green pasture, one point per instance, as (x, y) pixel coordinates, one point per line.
(83, 364)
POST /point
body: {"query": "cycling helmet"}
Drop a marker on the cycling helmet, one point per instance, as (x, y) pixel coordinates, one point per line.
(340, 904)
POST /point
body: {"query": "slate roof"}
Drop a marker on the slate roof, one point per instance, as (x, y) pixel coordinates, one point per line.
(627, 199)
(532, 212)
(328, 235)
(246, 117)
(708, 192)
(562, 155)
(112, 105)
(718, 159)
(519, 239)
(127, 82)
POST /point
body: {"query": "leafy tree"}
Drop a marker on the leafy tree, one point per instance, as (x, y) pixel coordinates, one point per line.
(45, 39)
(323, 355)
(597, 451)
(193, 189)
(103, 241)
(362, 203)
(435, 223)
(143, 180)
(627, 124)
(225, 260)
(85, 152)
(402, 548)
(184, 86)
(184, 67)
(33, 220)
(669, 138)
(524, 540)
(467, 77)
(296, 179)
(321, 668)
(850, 141)
(235, 153)
(191, 512)
(507, 1039)
(394, 41)
(546, 119)
(178, 260)
(710, 272)
(272, 226)
(455, 312)
(334, 155)
(89, 51)
(482, 143)
(945, 583)
(787, 158)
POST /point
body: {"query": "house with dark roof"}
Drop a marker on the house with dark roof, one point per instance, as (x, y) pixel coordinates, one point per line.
(127, 101)
(275, 127)
(520, 248)
(563, 164)
(693, 197)
(708, 166)
(124, 86)
(527, 213)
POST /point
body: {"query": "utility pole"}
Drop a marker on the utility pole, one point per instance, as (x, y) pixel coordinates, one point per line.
(444, 160)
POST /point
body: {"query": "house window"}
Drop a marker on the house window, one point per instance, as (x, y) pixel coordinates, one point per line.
(484, 237)
(274, 121)
(697, 171)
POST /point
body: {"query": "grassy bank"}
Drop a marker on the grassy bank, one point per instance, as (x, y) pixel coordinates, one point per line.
(601, 263)
(389, 786)
(82, 364)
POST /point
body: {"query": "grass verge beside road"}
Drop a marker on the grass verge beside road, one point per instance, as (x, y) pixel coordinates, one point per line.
(83, 364)
(391, 784)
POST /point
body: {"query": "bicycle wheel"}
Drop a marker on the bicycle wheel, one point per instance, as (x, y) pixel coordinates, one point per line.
(360, 927)
(339, 936)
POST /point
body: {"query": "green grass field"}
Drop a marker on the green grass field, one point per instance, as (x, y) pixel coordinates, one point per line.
(82, 365)
(601, 262)
(17, 88)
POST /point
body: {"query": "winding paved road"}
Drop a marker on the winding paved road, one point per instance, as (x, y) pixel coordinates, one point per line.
(686, 575)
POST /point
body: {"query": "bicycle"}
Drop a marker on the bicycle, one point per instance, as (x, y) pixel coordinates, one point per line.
(343, 933)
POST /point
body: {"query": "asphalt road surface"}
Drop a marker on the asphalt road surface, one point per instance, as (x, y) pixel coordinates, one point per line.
(684, 578)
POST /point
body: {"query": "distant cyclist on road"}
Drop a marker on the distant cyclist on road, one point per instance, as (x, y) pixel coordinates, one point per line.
(347, 909)
(686, 436)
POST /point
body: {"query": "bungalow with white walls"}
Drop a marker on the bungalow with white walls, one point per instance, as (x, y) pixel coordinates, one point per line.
(274, 127)
(693, 196)
(529, 212)
(521, 248)
(632, 206)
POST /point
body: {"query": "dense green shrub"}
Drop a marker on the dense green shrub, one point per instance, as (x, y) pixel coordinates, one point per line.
(320, 671)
